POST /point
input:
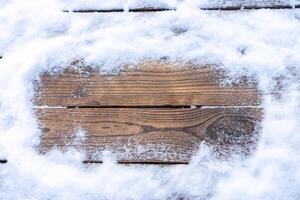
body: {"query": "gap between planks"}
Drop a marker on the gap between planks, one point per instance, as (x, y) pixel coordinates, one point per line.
(3, 161)
(145, 10)
(125, 162)
(146, 106)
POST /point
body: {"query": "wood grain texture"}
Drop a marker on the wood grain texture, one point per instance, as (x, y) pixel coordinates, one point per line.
(147, 84)
(148, 134)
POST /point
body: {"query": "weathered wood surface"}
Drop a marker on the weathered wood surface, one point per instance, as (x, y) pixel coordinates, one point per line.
(148, 84)
(146, 114)
(249, 4)
(148, 135)
(209, 5)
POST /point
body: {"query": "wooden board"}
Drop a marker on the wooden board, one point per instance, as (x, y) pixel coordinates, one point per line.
(209, 5)
(146, 113)
(148, 84)
(248, 4)
(149, 135)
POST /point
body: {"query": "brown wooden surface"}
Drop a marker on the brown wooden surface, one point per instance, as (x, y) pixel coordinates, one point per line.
(146, 113)
(148, 84)
(148, 135)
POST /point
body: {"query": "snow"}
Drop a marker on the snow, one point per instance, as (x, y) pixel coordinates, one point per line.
(94, 4)
(118, 4)
(37, 35)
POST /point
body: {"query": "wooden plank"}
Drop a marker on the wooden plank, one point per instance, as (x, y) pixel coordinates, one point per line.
(148, 135)
(209, 5)
(249, 4)
(147, 84)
